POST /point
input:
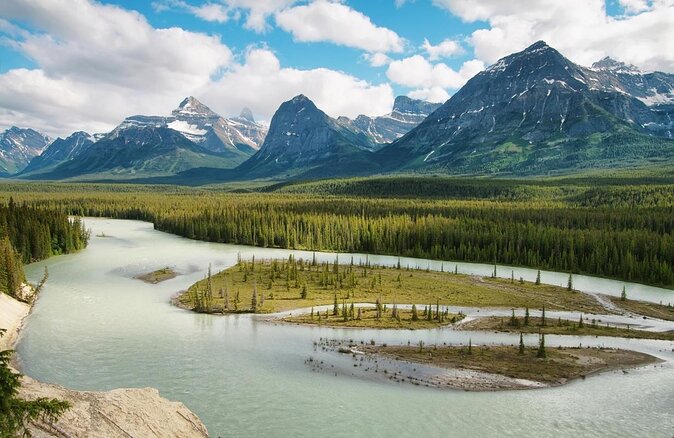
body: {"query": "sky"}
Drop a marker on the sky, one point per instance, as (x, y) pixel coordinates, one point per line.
(85, 65)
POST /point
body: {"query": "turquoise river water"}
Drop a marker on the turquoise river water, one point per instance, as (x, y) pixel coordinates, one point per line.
(95, 327)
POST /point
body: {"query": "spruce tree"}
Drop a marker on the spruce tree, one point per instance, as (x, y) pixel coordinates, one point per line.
(543, 317)
(415, 317)
(526, 316)
(253, 300)
(581, 324)
(623, 295)
(569, 285)
(521, 349)
(538, 278)
(541, 347)
(304, 293)
(335, 307)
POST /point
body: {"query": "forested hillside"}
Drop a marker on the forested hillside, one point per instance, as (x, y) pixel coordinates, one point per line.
(29, 234)
(619, 231)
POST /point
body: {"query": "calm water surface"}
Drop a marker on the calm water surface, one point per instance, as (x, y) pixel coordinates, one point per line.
(96, 328)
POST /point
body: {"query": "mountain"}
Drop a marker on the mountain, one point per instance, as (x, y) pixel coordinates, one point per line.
(58, 151)
(236, 138)
(17, 147)
(407, 113)
(136, 151)
(536, 112)
(303, 141)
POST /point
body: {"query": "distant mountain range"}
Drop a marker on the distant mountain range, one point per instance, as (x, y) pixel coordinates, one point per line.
(19, 146)
(531, 113)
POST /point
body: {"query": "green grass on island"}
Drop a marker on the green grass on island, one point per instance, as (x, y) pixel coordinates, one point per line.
(386, 318)
(157, 276)
(556, 326)
(556, 367)
(287, 284)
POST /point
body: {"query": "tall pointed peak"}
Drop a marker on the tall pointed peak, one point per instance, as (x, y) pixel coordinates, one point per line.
(247, 114)
(538, 46)
(190, 106)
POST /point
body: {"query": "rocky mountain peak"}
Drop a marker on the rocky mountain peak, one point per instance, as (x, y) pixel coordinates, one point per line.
(191, 107)
(407, 105)
(247, 114)
(610, 64)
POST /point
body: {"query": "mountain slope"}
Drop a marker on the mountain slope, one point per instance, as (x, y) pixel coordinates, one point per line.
(136, 151)
(17, 147)
(534, 112)
(407, 113)
(58, 151)
(305, 142)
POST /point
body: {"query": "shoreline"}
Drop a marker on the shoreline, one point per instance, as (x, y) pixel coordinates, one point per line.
(119, 412)
(451, 368)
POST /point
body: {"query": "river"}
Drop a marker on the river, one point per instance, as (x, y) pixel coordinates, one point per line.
(95, 327)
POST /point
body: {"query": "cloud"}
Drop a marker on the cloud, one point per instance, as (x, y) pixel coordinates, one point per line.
(208, 11)
(434, 94)
(97, 64)
(377, 59)
(580, 29)
(261, 83)
(334, 22)
(634, 6)
(445, 49)
(417, 72)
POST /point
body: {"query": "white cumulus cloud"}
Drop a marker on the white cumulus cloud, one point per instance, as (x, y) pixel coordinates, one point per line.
(444, 49)
(261, 83)
(431, 79)
(581, 29)
(331, 21)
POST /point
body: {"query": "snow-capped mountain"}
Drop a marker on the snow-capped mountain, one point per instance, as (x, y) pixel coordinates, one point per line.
(534, 112)
(303, 140)
(653, 89)
(60, 150)
(407, 113)
(199, 124)
(17, 147)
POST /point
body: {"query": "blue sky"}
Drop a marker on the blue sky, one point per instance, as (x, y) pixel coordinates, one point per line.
(82, 64)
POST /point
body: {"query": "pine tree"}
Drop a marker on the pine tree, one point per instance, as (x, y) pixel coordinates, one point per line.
(569, 285)
(581, 324)
(521, 349)
(513, 320)
(415, 317)
(623, 295)
(304, 292)
(253, 300)
(543, 317)
(541, 347)
(470, 346)
(538, 278)
(335, 307)
(526, 316)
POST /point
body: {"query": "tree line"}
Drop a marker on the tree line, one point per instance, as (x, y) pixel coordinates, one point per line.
(29, 234)
(624, 242)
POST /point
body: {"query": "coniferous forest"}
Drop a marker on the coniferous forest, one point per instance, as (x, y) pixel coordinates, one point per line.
(29, 234)
(617, 230)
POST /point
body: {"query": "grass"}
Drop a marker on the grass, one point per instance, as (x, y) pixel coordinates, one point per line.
(281, 282)
(157, 276)
(562, 327)
(369, 319)
(651, 310)
(558, 367)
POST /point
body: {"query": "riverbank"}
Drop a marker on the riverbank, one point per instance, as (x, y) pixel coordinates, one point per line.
(116, 413)
(484, 368)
